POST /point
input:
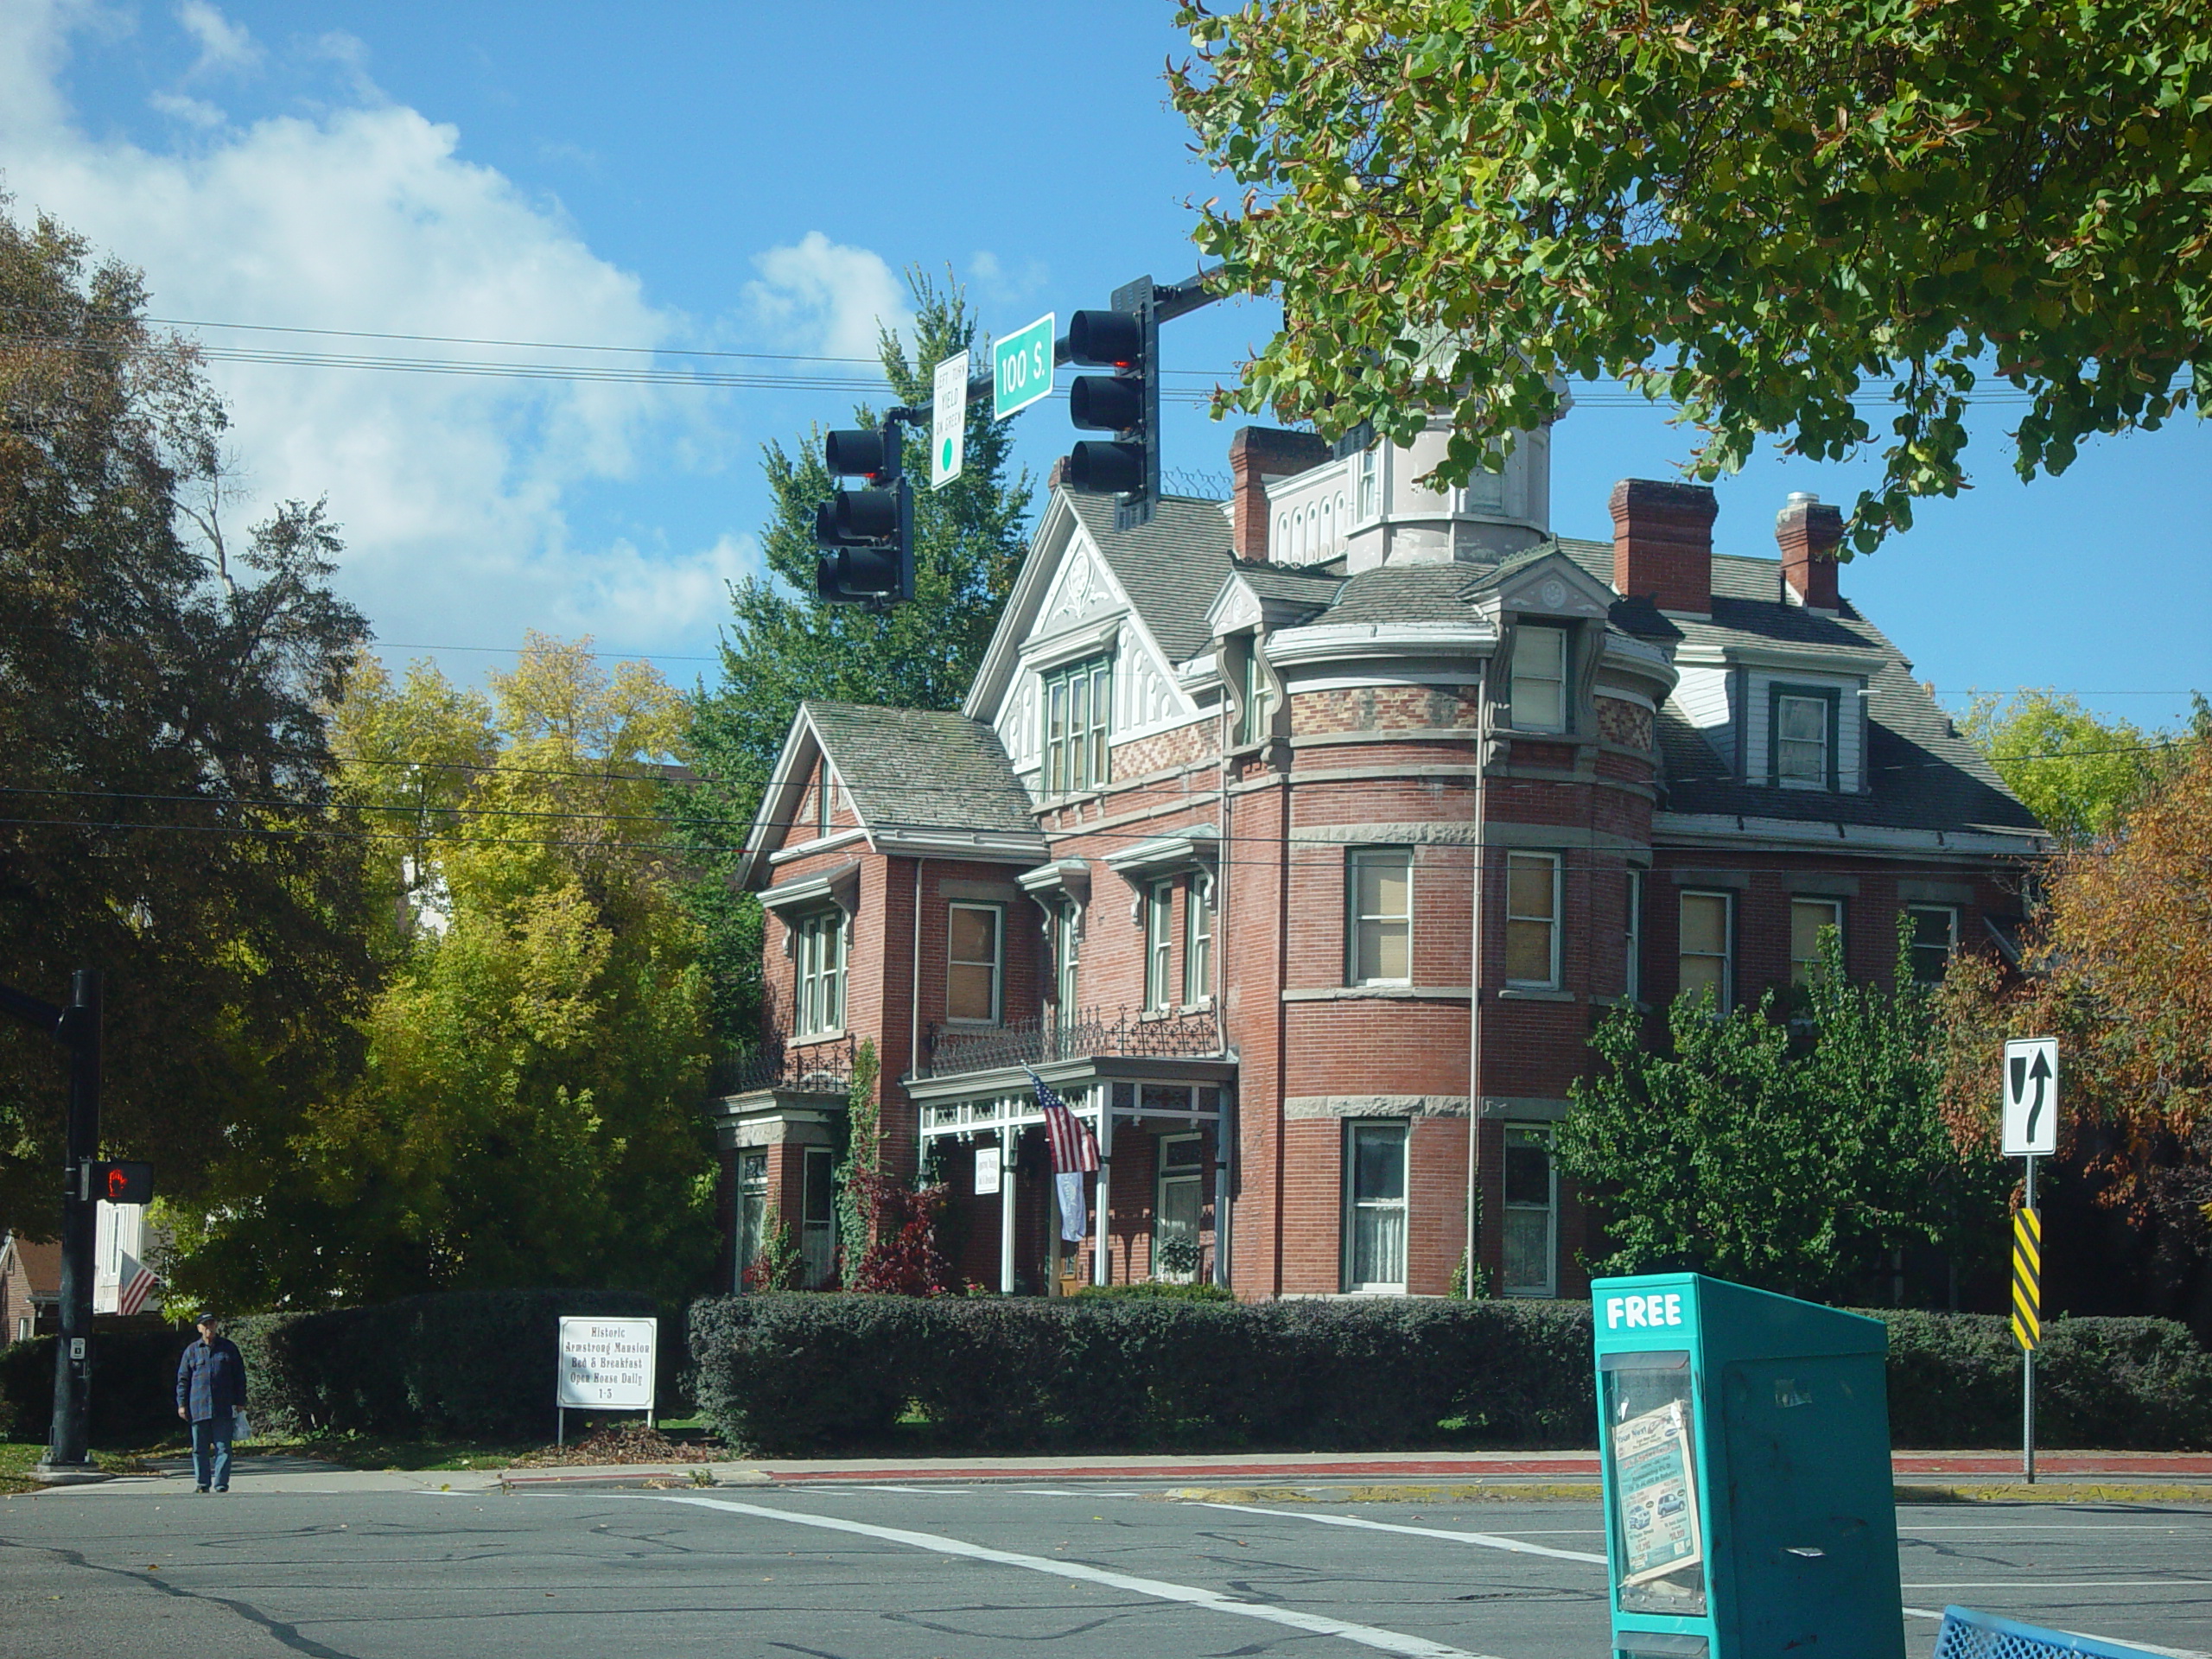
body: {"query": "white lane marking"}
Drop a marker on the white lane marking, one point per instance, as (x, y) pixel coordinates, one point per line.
(1486, 1540)
(1367, 1636)
(917, 1491)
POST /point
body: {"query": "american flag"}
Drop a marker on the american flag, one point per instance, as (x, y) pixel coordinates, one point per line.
(1075, 1149)
(138, 1283)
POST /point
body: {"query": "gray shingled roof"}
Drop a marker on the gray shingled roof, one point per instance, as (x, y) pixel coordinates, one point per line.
(1407, 592)
(922, 768)
(1171, 567)
(1295, 584)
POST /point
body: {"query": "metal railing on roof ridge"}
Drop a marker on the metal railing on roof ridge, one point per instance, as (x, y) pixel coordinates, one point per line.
(1091, 1034)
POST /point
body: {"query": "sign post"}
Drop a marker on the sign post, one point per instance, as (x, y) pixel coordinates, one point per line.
(948, 420)
(2030, 1094)
(605, 1364)
(1021, 367)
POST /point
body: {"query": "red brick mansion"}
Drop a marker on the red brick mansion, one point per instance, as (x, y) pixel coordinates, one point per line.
(1300, 841)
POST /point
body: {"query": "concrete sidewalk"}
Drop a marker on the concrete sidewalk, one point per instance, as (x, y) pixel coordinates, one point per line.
(2107, 1476)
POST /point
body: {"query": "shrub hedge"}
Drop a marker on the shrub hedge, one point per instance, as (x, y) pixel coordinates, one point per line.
(134, 1384)
(457, 1364)
(793, 1371)
(797, 1372)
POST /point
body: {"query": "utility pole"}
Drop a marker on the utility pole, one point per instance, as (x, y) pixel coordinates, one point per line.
(76, 1027)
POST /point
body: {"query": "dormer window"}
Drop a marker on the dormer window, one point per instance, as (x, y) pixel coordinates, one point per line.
(1804, 725)
(1539, 691)
(1079, 701)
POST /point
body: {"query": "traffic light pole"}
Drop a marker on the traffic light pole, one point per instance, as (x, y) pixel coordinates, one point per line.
(1169, 302)
(76, 1028)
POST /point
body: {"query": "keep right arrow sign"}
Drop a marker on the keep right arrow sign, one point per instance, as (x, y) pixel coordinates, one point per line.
(2031, 1090)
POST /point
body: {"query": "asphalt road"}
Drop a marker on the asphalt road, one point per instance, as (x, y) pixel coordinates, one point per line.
(1088, 1570)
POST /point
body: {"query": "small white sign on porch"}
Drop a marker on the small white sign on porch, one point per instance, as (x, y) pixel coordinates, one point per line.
(987, 1170)
(607, 1364)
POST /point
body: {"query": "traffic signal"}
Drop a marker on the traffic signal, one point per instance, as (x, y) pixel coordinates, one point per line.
(1125, 403)
(866, 537)
(129, 1183)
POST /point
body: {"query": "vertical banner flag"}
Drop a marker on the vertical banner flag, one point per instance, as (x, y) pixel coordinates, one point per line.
(1075, 1154)
(2027, 1280)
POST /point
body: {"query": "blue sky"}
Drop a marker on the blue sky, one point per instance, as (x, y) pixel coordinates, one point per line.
(752, 178)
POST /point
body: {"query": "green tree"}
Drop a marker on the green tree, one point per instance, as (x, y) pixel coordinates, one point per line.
(1763, 213)
(2077, 773)
(785, 645)
(169, 817)
(530, 1113)
(1798, 1156)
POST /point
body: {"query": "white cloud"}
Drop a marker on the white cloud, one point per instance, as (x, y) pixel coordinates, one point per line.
(223, 44)
(456, 494)
(823, 296)
(193, 111)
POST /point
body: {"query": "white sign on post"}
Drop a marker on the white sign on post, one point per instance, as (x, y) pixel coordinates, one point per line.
(606, 1365)
(2031, 1097)
(987, 1170)
(948, 420)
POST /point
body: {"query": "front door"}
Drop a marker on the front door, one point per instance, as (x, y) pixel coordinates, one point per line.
(1176, 1208)
(818, 1221)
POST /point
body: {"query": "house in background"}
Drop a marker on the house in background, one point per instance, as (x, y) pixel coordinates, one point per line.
(1300, 841)
(31, 1288)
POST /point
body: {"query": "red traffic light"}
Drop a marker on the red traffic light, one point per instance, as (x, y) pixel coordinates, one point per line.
(124, 1183)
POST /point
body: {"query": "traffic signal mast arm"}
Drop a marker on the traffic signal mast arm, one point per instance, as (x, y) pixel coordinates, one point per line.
(1177, 299)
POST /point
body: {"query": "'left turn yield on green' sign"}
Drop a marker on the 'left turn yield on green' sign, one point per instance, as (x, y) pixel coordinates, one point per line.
(948, 420)
(1021, 367)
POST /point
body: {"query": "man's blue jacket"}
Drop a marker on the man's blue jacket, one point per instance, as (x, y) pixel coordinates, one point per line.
(211, 1380)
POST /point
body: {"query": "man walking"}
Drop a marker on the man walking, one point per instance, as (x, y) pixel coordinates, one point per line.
(210, 1392)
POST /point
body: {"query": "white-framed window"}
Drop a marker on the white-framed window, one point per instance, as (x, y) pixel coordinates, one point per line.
(1532, 930)
(1382, 919)
(819, 1006)
(1539, 693)
(1375, 1205)
(1935, 940)
(1253, 703)
(1807, 917)
(1078, 713)
(974, 962)
(1197, 941)
(1178, 1207)
(1632, 942)
(1367, 488)
(1805, 738)
(817, 1230)
(752, 1210)
(1707, 953)
(1067, 947)
(1531, 1213)
(1158, 945)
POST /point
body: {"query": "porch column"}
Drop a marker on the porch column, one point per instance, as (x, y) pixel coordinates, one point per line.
(1007, 1142)
(1102, 1264)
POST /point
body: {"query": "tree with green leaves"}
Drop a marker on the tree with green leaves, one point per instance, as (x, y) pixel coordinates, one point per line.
(2077, 773)
(785, 646)
(1800, 1156)
(170, 818)
(529, 1110)
(1770, 215)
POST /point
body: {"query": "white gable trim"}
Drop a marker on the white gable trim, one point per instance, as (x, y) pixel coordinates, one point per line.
(780, 802)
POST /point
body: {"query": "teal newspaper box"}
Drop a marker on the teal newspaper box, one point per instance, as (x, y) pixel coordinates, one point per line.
(1749, 1503)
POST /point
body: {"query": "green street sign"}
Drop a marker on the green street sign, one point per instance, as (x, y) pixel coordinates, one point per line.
(1021, 367)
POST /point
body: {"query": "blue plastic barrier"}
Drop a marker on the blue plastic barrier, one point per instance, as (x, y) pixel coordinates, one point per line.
(1969, 1635)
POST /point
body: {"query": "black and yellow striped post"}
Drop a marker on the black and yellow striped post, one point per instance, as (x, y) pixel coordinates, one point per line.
(2027, 1312)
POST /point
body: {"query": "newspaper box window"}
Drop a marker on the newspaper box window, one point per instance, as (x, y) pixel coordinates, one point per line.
(605, 1364)
(1745, 1440)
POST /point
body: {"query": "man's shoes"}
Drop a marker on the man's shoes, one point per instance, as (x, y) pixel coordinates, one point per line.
(223, 1489)
(199, 1489)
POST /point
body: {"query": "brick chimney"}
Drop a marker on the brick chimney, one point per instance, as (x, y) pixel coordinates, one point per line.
(1257, 453)
(1810, 534)
(1662, 544)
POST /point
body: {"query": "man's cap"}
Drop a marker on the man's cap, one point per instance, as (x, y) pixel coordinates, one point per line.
(206, 1316)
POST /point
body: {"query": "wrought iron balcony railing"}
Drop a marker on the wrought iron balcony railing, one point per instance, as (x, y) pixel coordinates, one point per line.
(1092, 1034)
(820, 1068)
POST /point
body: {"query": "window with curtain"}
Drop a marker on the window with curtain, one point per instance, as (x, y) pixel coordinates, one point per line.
(1532, 895)
(974, 943)
(1375, 1206)
(1159, 945)
(818, 948)
(1706, 953)
(1539, 693)
(1804, 738)
(1381, 920)
(1197, 941)
(1079, 708)
(1807, 917)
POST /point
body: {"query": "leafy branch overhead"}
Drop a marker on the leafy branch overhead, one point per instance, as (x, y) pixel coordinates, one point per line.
(1770, 215)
